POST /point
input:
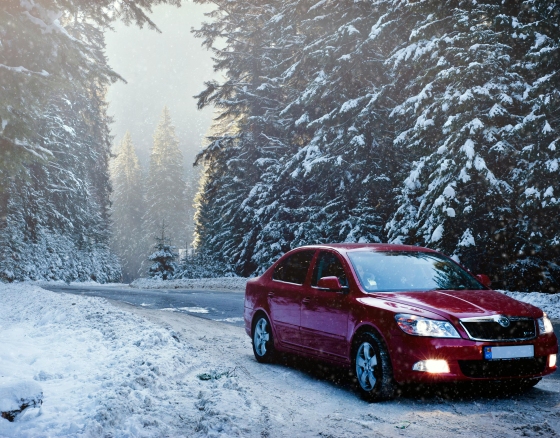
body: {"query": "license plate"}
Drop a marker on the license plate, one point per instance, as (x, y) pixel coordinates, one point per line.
(513, 352)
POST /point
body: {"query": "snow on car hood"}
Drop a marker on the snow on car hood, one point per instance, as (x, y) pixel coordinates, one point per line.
(464, 303)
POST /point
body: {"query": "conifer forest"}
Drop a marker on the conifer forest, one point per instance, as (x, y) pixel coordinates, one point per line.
(431, 123)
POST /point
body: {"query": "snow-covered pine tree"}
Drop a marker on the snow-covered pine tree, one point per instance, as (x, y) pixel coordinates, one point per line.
(165, 186)
(58, 207)
(441, 99)
(534, 258)
(458, 99)
(192, 183)
(212, 176)
(56, 225)
(47, 45)
(202, 265)
(309, 162)
(334, 181)
(320, 162)
(127, 202)
(54, 137)
(163, 257)
(258, 44)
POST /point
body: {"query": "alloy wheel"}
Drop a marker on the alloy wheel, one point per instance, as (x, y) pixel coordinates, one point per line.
(261, 336)
(366, 364)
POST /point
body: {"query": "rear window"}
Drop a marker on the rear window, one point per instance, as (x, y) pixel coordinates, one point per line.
(393, 271)
(294, 268)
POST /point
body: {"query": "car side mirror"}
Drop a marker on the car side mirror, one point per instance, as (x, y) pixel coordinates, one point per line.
(484, 279)
(331, 284)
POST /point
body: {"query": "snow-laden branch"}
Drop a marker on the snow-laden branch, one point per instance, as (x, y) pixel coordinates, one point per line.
(52, 16)
(22, 69)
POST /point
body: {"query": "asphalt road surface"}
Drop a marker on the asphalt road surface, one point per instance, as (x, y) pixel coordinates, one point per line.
(219, 306)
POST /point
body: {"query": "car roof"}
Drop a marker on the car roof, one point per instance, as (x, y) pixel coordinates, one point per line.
(345, 247)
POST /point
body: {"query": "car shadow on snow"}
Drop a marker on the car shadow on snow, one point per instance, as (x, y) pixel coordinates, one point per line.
(469, 391)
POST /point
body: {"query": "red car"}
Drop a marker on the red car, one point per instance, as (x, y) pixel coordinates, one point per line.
(395, 314)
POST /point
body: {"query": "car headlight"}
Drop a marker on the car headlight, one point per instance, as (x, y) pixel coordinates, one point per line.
(419, 326)
(545, 326)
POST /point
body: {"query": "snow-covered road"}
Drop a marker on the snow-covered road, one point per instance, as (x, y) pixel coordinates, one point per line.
(225, 306)
(128, 371)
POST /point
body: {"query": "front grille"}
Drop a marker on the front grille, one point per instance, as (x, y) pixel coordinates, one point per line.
(503, 368)
(492, 331)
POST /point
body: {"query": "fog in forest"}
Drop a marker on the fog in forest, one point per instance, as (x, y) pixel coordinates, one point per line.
(166, 68)
(161, 69)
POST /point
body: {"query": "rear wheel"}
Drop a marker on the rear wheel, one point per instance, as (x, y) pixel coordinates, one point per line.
(372, 368)
(263, 342)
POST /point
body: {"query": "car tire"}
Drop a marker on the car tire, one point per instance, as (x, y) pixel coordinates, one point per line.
(372, 368)
(263, 341)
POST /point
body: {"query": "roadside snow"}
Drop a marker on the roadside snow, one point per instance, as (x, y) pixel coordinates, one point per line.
(103, 371)
(74, 283)
(221, 283)
(550, 303)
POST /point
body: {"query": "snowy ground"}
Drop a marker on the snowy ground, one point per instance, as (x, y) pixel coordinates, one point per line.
(125, 371)
(550, 303)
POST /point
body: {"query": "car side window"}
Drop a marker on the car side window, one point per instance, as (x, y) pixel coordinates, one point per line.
(328, 265)
(294, 268)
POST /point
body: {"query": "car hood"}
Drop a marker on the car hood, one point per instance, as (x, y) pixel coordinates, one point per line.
(464, 303)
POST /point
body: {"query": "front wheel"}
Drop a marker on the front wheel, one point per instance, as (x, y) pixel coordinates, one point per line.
(372, 367)
(263, 343)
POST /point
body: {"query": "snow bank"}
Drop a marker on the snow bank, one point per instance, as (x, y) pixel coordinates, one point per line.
(221, 283)
(75, 283)
(550, 303)
(103, 371)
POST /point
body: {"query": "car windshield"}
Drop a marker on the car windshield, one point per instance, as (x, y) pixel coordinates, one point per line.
(392, 271)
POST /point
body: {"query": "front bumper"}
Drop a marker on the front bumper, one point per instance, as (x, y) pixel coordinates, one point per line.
(466, 359)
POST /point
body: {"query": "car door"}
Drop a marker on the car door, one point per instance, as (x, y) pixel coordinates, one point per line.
(324, 314)
(286, 291)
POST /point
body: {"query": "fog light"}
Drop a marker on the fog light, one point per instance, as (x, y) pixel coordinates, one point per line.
(434, 366)
(552, 361)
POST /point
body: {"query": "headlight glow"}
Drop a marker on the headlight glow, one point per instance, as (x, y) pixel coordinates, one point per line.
(432, 366)
(419, 326)
(545, 325)
(552, 361)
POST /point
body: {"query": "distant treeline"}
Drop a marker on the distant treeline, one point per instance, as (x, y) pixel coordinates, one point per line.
(54, 137)
(430, 122)
(143, 204)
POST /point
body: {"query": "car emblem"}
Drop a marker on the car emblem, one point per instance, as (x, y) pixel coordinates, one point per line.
(503, 321)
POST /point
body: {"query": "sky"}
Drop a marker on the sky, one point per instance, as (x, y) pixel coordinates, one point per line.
(167, 68)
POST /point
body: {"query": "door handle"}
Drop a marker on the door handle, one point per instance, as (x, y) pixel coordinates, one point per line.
(306, 300)
(271, 294)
